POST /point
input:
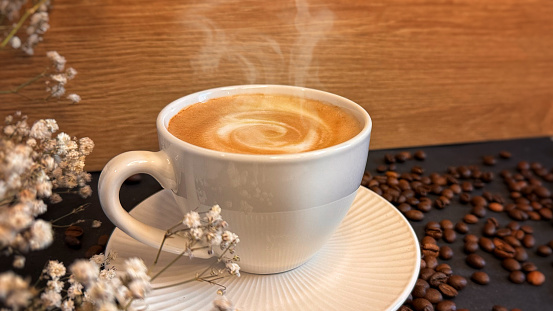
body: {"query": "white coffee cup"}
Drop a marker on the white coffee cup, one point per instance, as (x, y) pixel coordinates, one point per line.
(283, 207)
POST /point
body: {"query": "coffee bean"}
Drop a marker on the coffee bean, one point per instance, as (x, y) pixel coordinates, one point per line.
(446, 252)
(404, 308)
(546, 213)
(449, 235)
(544, 250)
(520, 254)
(426, 273)
(419, 155)
(470, 247)
(403, 156)
(103, 240)
(480, 277)
(93, 250)
(464, 198)
(529, 267)
(389, 158)
(489, 160)
(414, 215)
(496, 207)
(489, 229)
(486, 244)
(428, 240)
(535, 278)
(437, 278)
(461, 227)
(421, 304)
(448, 290)
(75, 231)
(446, 305)
(478, 201)
(479, 211)
(475, 261)
(499, 308)
(511, 240)
(420, 288)
(433, 295)
(528, 241)
(505, 154)
(455, 188)
(424, 206)
(431, 250)
(470, 219)
(458, 282)
(444, 268)
(431, 262)
(72, 242)
(511, 264)
(502, 249)
(517, 277)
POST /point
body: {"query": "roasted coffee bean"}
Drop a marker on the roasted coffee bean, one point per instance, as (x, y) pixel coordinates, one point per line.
(503, 232)
(449, 235)
(432, 250)
(103, 240)
(546, 213)
(517, 277)
(535, 278)
(478, 200)
(133, 179)
(505, 154)
(421, 304)
(517, 214)
(511, 264)
(511, 240)
(470, 219)
(433, 295)
(470, 247)
(414, 215)
(486, 244)
(496, 207)
(499, 308)
(458, 282)
(448, 290)
(423, 264)
(428, 240)
(461, 227)
(444, 268)
(431, 262)
(75, 231)
(446, 224)
(93, 250)
(528, 229)
(529, 267)
(544, 250)
(464, 198)
(476, 261)
(470, 238)
(489, 229)
(446, 252)
(480, 277)
(437, 278)
(520, 254)
(489, 160)
(419, 155)
(389, 158)
(404, 308)
(420, 288)
(455, 188)
(479, 211)
(502, 249)
(448, 193)
(436, 233)
(518, 234)
(446, 305)
(404, 207)
(528, 241)
(72, 241)
(426, 273)
(467, 186)
(542, 192)
(442, 202)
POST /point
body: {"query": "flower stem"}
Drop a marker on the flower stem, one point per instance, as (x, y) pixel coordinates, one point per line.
(22, 20)
(25, 84)
(74, 211)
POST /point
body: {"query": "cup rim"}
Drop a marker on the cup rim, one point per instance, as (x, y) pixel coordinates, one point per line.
(174, 107)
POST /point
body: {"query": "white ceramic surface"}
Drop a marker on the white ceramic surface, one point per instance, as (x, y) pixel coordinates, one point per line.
(370, 263)
(304, 194)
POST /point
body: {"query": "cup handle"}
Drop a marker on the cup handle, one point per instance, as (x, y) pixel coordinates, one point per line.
(118, 169)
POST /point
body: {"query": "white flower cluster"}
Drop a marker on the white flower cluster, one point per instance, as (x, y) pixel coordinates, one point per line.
(210, 230)
(92, 285)
(38, 22)
(55, 85)
(32, 164)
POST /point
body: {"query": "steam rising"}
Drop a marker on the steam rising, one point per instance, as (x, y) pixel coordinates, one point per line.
(258, 55)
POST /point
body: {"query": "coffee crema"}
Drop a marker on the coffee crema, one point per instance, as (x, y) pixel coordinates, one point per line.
(263, 124)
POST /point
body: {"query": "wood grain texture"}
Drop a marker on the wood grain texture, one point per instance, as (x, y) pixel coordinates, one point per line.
(428, 72)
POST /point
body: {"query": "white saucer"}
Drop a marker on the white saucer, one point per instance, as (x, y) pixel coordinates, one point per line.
(371, 263)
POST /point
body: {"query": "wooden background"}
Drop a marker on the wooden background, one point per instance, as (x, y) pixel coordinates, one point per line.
(428, 72)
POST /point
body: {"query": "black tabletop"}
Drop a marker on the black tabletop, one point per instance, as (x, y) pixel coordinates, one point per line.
(439, 161)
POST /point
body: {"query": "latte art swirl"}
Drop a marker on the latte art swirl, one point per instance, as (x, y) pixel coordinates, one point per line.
(270, 132)
(263, 124)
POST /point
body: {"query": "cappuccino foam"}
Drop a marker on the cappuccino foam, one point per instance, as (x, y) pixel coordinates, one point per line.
(263, 124)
